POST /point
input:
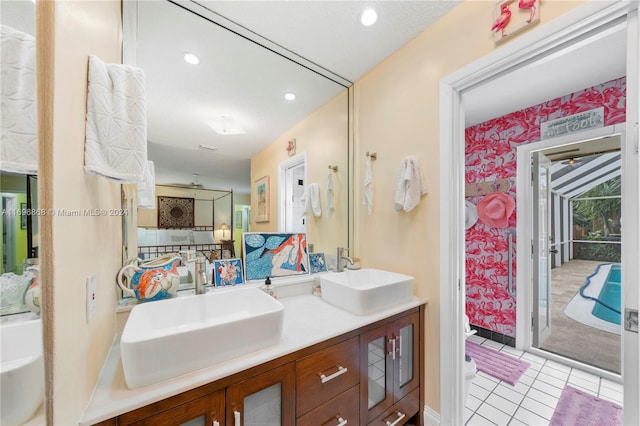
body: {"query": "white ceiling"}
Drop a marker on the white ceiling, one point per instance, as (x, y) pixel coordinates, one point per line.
(238, 77)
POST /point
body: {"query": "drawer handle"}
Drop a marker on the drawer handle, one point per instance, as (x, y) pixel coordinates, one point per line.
(341, 421)
(393, 349)
(400, 417)
(341, 370)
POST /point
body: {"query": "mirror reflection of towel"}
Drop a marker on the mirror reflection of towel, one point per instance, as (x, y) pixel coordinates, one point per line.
(311, 200)
(368, 186)
(147, 188)
(331, 205)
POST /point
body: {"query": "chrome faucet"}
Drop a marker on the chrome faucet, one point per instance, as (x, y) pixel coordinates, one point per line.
(200, 279)
(340, 257)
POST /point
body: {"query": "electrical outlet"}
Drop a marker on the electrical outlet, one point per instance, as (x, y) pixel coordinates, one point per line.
(91, 297)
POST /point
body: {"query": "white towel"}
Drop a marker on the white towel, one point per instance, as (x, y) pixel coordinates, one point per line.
(311, 200)
(367, 198)
(18, 112)
(410, 185)
(331, 204)
(147, 188)
(116, 131)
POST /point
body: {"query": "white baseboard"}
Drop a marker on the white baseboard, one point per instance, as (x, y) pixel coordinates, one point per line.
(431, 418)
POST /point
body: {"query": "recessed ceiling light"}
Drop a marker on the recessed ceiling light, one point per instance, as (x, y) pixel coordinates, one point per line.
(192, 59)
(368, 17)
(289, 96)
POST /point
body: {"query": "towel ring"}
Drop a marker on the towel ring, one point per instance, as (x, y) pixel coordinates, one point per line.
(333, 168)
(372, 156)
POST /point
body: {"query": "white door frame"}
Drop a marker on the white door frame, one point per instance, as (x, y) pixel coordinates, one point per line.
(524, 266)
(534, 46)
(283, 167)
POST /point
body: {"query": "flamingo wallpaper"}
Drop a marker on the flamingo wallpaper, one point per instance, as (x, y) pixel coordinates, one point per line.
(490, 154)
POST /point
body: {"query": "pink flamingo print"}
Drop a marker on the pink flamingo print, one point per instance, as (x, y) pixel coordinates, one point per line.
(528, 4)
(503, 20)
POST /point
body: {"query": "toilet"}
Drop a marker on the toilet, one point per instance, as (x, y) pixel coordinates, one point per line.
(470, 367)
(470, 370)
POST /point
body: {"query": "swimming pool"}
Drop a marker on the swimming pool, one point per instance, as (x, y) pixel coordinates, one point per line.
(607, 306)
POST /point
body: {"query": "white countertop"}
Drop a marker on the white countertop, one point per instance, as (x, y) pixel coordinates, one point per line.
(307, 320)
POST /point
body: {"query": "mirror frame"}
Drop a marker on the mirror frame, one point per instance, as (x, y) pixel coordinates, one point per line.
(129, 43)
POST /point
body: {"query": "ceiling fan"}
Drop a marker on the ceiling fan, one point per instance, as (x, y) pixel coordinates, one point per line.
(572, 161)
(195, 183)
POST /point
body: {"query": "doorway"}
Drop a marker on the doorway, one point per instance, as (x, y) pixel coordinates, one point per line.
(589, 21)
(291, 191)
(575, 268)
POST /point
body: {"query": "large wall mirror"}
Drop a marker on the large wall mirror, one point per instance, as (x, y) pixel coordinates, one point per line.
(22, 372)
(237, 124)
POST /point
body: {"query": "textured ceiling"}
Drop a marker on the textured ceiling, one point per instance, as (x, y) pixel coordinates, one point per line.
(330, 34)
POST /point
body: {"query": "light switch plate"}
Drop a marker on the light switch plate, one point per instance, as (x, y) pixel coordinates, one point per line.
(91, 297)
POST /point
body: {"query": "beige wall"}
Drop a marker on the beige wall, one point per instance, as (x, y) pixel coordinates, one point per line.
(323, 136)
(396, 115)
(74, 247)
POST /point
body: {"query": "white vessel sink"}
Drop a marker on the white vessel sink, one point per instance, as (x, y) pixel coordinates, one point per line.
(168, 338)
(365, 291)
(21, 371)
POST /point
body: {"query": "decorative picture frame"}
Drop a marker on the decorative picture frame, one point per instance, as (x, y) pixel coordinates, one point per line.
(238, 219)
(23, 217)
(175, 212)
(291, 147)
(273, 254)
(520, 17)
(261, 194)
(317, 262)
(227, 272)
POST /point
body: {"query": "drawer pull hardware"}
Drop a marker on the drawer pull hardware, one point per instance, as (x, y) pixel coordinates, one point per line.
(400, 417)
(236, 418)
(341, 370)
(393, 349)
(341, 421)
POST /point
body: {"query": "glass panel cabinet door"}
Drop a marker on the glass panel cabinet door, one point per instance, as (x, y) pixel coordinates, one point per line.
(405, 355)
(377, 371)
(376, 388)
(263, 408)
(406, 367)
(267, 399)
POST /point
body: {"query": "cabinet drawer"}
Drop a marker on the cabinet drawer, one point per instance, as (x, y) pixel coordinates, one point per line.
(326, 374)
(400, 412)
(339, 411)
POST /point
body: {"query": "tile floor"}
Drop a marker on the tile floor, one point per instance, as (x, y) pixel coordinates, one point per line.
(533, 399)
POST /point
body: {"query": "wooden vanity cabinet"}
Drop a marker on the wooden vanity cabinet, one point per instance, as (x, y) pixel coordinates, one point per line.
(371, 375)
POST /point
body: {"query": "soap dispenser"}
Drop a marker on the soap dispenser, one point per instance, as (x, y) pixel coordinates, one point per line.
(268, 288)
